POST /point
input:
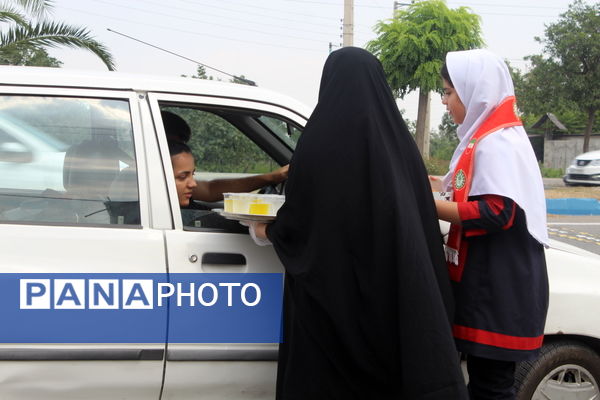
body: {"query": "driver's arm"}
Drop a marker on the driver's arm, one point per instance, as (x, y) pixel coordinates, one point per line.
(213, 190)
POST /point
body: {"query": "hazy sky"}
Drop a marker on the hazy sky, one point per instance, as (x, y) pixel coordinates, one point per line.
(280, 44)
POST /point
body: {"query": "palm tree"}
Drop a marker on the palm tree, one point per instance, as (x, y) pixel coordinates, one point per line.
(27, 35)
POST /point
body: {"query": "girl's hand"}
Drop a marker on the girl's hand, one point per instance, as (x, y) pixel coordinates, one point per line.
(436, 183)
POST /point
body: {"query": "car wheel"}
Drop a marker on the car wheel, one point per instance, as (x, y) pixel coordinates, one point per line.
(563, 370)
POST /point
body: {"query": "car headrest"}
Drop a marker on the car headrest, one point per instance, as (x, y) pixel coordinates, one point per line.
(91, 166)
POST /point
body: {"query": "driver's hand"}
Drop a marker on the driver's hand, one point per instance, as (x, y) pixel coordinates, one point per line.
(280, 174)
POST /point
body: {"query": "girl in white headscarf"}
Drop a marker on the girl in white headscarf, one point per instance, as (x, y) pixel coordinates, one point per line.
(495, 250)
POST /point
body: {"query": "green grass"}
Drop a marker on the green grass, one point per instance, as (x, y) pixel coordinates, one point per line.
(551, 172)
(436, 166)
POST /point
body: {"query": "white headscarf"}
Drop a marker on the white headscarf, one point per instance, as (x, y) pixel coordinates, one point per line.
(505, 163)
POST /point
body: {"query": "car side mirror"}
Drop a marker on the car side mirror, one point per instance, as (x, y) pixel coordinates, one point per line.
(15, 152)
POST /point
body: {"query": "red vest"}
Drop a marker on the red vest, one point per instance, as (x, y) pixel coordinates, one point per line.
(503, 116)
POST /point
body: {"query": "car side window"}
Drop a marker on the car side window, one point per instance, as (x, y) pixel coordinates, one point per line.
(226, 144)
(219, 147)
(67, 160)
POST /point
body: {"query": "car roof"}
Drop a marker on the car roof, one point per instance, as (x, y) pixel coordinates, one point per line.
(111, 80)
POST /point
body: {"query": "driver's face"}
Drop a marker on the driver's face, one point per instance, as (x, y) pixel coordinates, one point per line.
(183, 169)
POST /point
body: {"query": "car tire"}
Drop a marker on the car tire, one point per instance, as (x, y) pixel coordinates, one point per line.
(563, 370)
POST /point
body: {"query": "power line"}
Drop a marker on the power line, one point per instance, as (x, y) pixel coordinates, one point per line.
(247, 81)
(331, 20)
(323, 3)
(188, 10)
(509, 5)
(171, 29)
(210, 23)
(287, 12)
(379, 6)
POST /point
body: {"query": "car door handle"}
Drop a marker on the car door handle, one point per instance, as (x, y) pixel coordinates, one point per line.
(223, 259)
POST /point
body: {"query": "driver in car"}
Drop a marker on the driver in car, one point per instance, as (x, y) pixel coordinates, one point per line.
(178, 130)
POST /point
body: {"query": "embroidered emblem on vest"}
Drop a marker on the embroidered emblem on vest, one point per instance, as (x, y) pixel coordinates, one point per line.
(460, 179)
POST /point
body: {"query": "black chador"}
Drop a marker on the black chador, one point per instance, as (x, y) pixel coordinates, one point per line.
(367, 297)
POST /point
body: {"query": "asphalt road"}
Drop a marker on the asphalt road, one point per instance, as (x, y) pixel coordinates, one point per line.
(553, 182)
(578, 230)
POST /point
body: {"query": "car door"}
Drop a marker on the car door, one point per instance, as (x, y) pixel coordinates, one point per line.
(225, 350)
(76, 249)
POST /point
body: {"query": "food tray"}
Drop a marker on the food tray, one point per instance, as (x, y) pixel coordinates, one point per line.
(244, 217)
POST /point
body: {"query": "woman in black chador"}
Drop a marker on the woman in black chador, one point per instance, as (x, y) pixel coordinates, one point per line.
(367, 296)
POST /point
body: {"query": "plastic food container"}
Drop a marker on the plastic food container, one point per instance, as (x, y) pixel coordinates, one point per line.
(252, 204)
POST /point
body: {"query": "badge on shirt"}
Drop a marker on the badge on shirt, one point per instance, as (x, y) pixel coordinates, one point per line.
(459, 180)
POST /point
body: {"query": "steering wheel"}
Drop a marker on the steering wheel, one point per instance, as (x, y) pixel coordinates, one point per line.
(273, 189)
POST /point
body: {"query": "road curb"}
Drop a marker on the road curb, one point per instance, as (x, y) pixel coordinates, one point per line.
(569, 206)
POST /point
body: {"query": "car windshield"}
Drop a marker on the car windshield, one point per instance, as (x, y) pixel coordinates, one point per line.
(285, 131)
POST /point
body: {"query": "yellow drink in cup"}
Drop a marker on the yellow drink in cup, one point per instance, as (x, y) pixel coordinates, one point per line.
(228, 202)
(259, 208)
(228, 205)
(241, 203)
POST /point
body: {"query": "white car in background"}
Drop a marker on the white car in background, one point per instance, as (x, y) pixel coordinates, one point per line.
(584, 170)
(118, 215)
(29, 158)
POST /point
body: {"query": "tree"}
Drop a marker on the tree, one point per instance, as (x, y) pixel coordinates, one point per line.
(412, 47)
(242, 80)
(29, 57)
(200, 74)
(536, 98)
(25, 40)
(569, 77)
(444, 141)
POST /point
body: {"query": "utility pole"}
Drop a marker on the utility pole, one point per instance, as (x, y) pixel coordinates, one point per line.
(348, 26)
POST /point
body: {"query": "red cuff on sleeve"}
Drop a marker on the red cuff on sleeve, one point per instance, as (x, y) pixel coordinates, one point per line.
(468, 210)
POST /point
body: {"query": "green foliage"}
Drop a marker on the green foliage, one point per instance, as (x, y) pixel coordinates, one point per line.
(536, 98)
(551, 172)
(200, 74)
(242, 80)
(566, 79)
(220, 147)
(412, 46)
(36, 8)
(444, 141)
(573, 119)
(24, 36)
(436, 166)
(29, 57)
